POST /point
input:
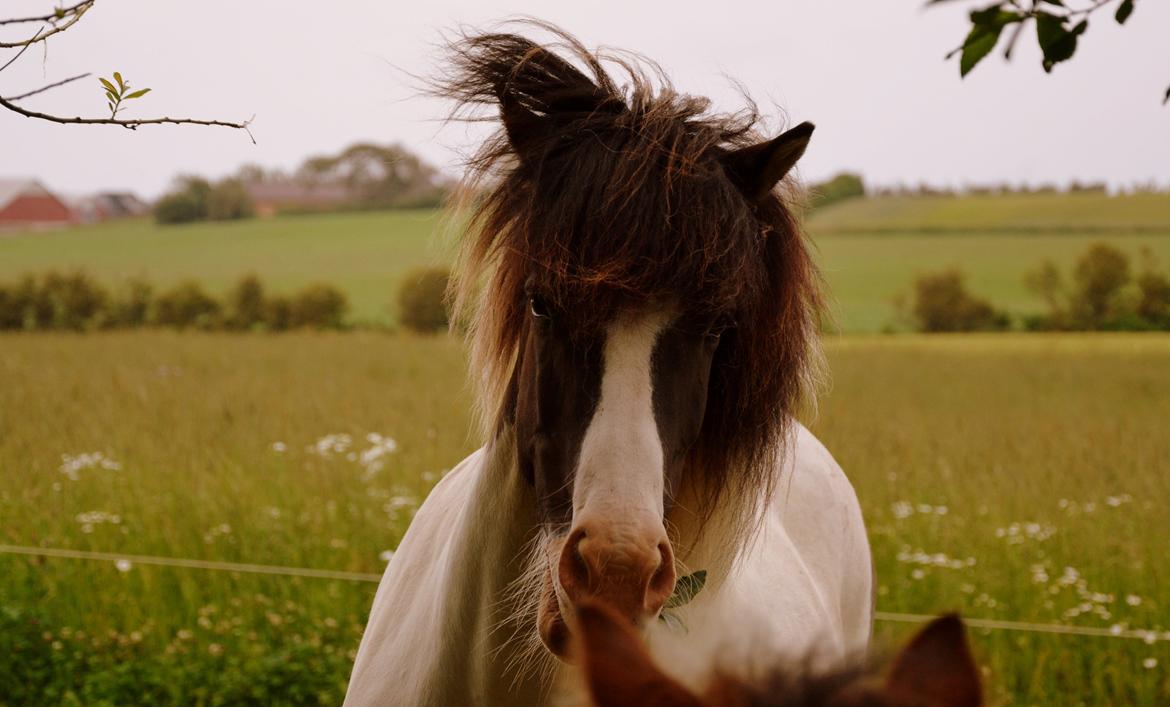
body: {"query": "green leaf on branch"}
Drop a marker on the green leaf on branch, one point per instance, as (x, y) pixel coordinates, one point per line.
(118, 78)
(986, 27)
(108, 86)
(1124, 11)
(138, 94)
(1057, 41)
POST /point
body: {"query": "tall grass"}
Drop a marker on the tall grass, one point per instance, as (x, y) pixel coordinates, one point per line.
(986, 466)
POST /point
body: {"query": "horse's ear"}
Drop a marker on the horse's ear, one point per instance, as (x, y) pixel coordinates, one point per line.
(936, 669)
(541, 93)
(617, 668)
(523, 126)
(758, 168)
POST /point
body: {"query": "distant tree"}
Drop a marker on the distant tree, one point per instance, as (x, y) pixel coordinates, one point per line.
(246, 304)
(1047, 283)
(187, 305)
(130, 306)
(1154, 299)
(1099, 277)
(841, 187)
(116, 90)
(185, 203)
(1059, 25)
(943, 304)
(277, 313)
(422, 304)
(377, 176)
(196, 199)
(1102, 294)
(228, 200)
(318, 307)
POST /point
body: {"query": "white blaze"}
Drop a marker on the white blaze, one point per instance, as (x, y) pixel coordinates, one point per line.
(619, 473)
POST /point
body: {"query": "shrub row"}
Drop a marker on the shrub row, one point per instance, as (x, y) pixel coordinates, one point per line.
(76, 302)
(1101, 295)
(422, 304)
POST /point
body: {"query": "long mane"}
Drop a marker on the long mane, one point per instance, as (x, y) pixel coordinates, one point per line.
(604, 192)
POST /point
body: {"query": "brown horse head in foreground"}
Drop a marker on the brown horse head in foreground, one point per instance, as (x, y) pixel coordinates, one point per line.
(935, 669)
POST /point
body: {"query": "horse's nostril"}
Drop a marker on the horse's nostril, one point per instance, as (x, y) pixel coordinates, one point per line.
(574, 570)
(662, 582)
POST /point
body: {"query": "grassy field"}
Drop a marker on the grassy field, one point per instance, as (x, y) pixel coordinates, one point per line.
(870, 250)
(1009, 477)
(1062, 213)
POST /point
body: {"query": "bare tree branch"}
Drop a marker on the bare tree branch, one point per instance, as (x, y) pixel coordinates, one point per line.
(42, 89)
(129, 123)
(17, 56)
(59, 14)
(41, 35)
(61, 20)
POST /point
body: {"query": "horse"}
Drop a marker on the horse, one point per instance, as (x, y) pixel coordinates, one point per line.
(643, 317)
(935, 669)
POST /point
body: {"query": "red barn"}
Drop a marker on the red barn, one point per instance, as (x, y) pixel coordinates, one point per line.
(25, 203)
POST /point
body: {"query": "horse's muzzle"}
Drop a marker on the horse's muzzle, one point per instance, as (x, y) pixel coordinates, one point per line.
(627, 567)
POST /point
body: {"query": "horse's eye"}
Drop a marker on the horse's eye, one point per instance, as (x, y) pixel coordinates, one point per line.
(537, 307)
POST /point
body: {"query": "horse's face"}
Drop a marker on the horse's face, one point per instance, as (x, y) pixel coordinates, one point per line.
(616, 229)
(603, 421)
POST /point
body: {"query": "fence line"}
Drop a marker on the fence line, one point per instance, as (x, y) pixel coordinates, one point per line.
(193, 564)
(1146, 635)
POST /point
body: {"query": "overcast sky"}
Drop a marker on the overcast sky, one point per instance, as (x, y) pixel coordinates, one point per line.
(321, 75)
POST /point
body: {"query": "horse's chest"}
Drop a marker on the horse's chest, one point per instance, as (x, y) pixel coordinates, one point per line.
(771, 606)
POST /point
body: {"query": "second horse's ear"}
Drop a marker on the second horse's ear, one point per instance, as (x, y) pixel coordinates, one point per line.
(757, 168)
(617, 669)
(936, 669)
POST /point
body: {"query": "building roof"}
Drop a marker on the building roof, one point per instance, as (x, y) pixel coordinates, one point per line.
(10, 189)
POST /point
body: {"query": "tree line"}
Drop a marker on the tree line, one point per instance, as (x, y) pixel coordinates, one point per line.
(1102, 292)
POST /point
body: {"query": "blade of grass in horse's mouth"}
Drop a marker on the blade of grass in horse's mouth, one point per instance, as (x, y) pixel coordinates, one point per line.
(685, 590)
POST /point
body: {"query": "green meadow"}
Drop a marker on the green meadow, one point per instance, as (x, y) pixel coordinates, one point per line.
(870, 250)
(1012, 477)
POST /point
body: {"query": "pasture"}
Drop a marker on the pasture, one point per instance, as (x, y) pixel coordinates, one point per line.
(1009, 477)
(869, 250)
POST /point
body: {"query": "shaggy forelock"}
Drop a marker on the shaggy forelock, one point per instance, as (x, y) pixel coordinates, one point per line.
(601, 196)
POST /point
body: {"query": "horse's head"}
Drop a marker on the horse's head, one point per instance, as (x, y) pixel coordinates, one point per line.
(935, 669)
(646, 310)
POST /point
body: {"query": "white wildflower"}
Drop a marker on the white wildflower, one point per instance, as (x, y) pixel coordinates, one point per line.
(331, 444)
(72, 464)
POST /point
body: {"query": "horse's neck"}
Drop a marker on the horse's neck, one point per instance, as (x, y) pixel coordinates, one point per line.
(479, 653)
(714, 543)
